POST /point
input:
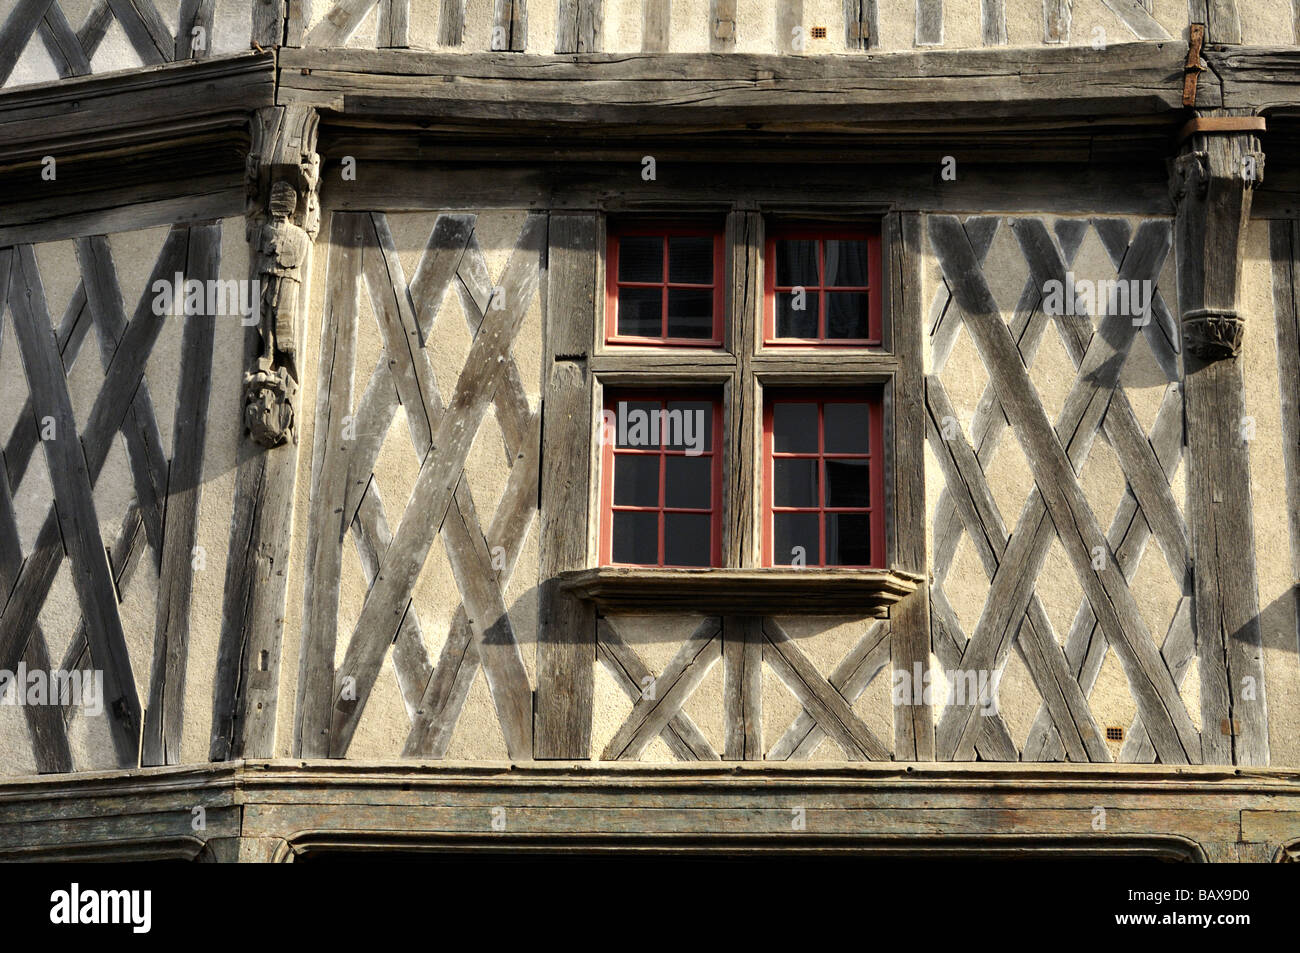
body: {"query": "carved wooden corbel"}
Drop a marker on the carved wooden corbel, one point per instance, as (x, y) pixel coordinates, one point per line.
(283, 218)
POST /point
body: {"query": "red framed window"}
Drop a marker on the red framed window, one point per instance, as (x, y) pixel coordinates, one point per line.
(664, 285)
(823, 286)
(823, 480)
(661, 480)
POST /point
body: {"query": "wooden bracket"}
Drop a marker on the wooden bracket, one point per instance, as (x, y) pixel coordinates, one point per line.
(1192, 69)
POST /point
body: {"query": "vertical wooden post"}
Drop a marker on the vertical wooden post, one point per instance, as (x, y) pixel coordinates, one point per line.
(910, 618)
(1285, 252)
(566, 626)
(283, 217)
(1213, 179)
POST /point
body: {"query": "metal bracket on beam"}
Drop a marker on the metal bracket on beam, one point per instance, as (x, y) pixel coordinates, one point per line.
(1193, 69)
(1221, 125)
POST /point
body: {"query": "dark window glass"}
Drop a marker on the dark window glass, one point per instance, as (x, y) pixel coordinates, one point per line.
(794, 427)
(637, 423)
(846, 263)
(636, 537)
(848, 539)
(690, 260)
(695, 432)
(847, 483)
(794, 481)
(687, 539)
(848, 427)
(640, 312)
(796, 263)
(688, 482)
(641, 258)
(793, 530)
(795, 322)
(848, 315)
(690, 313)
(636, 479)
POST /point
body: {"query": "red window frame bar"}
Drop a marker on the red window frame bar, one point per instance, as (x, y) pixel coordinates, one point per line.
(876, 511)
(665, 230)
(607, 453)
(874, 279)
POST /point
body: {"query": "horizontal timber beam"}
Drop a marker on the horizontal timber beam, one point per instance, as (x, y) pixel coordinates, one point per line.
(288, 808)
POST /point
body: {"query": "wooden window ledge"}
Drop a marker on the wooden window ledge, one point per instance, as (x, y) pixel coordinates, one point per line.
(742, 591)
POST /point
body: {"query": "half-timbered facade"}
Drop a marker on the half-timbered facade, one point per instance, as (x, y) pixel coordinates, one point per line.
(685, 425)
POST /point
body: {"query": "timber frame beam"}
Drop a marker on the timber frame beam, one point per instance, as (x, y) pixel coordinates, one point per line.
(287, 810)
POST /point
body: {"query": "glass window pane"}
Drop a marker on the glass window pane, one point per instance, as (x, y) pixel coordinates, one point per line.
(848, 426)
(796, 262)
(690, 261)
(794, 539)
(797, 314)
(846, 262)
(688, 482)
(847, 483)
(687, 539)
(640, 312)
(637, 423)
(794, 427)
(641, 258)
(690, 313)
(848, 314)
(636, 479)
(635, 538)
(848, 539)
(690, 426)
(794, 482)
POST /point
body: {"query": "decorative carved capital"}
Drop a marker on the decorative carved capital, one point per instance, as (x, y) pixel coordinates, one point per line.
(1190, 176)
(1212, 335)
(283, 218)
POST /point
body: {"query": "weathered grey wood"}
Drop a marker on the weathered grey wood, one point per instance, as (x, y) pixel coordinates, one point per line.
(1157, 697)
(451, 23)
(444, 696)
(910, 618)
(91, 33)
(851, 676)
(386, 602)
(62, 44)
(994, 742)
(1059, 690)
(330, 454)
(145, 29)
(1284, 244)
(510, 26)
(1222, 25)
(929, 22)
(1213, 201)
(341, 22)
(1178, 651)
(17, 29)
(791, 36)
(144, 444)
(742, 413)
(579, 26)
(993, 22)
(1056, 21)
(196, 14)
(827, 706)
(681, 735)
(653, 710)
(656, 25)
(164, 715)
(742, 647)
(391, 30)
(722, 26)
(296, 20)
(1137, 17)
(860, 25)
(566, 626)
(268, 22)
(72, 476)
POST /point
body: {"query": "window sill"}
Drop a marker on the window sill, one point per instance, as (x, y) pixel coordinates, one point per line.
(742, 591)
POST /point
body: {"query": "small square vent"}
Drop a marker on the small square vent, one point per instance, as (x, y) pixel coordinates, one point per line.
(819, 33)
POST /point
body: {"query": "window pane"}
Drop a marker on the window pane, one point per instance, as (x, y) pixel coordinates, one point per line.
(688, 482)
(687, 539)
(794, 482)
(635, 538)
(794, 535)
(847, 428)
(690, 313)
(640, 312)
(636, 479)
(848, 539)
(797, 322)
(847, 483)
(796, 262)
(637, 424)
(794, 428)
(690, 261)
(846, 262)
(692, 427)
(847, 314)
(641, 258)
